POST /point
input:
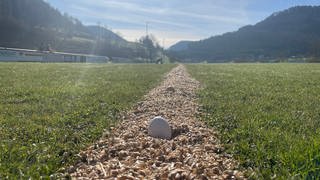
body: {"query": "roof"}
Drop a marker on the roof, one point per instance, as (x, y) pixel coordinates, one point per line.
(37, 51)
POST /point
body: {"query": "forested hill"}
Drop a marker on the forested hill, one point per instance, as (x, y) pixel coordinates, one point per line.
(34, 23)
(182, 45)
(292, 32)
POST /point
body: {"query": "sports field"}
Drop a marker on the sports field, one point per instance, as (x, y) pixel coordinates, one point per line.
(268, 115)
(48, 112)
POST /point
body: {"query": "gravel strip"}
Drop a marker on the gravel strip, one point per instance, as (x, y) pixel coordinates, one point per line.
(194, 152)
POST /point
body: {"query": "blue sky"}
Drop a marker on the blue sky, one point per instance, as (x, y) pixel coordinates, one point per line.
(173, 20)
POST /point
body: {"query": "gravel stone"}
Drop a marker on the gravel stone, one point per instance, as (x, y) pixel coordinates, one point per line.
(128, 152)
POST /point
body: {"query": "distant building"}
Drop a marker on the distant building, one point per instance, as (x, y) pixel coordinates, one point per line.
(27, 55)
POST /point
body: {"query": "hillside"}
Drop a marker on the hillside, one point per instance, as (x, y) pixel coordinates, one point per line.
(34, 24)
(182, 45)
(292, 32)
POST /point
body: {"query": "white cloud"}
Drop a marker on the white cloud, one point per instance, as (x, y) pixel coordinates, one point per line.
(173, 20)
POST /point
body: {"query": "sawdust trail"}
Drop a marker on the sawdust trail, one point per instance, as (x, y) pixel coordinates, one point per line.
(128, 152)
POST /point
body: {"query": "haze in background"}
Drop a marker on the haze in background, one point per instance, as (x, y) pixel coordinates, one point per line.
(173, 20)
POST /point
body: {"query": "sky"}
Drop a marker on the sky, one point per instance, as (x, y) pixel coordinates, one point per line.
(171, 21)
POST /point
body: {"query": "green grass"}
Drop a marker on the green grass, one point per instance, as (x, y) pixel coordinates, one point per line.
(268, 115)
(49, 112)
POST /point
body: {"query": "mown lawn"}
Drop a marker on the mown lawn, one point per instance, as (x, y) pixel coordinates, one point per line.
(268, 115)
(48, 112)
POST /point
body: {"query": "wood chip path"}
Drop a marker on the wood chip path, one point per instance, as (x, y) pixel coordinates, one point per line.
(128, 152)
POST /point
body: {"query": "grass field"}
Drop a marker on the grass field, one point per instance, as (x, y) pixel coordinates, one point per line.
(268, 115)
(48, 112)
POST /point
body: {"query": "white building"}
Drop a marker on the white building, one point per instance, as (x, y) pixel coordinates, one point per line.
(27, 55)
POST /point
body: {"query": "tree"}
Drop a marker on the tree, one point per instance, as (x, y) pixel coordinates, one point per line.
(152, 47)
